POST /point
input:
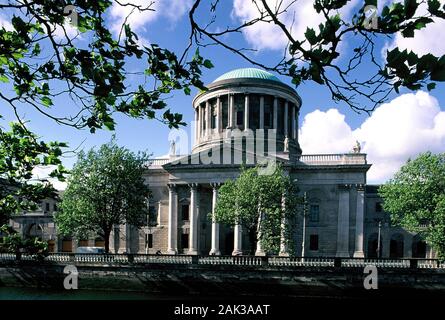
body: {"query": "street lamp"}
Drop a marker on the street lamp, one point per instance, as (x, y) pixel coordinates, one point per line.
(147, 227)
(304, 225)
(378, 239)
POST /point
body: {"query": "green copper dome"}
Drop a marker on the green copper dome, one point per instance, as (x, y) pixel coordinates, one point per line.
(248, 73)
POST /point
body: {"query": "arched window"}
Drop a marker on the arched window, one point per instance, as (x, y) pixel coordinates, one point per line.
(396, 246)
(418, 247)
(35, 231)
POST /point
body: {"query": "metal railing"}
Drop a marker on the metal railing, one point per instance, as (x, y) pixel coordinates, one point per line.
(255, 261)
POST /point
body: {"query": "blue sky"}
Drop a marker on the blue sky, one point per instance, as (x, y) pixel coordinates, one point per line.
(413, 118)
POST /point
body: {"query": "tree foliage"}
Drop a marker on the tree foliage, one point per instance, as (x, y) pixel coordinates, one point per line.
(20, 153)
(105, 188)
(45, 59)
(256, 203)
(415, 198)
(315, 56)
(42, 59)
(12, 242)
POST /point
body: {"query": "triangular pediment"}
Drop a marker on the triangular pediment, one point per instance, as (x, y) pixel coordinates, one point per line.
(223, 154)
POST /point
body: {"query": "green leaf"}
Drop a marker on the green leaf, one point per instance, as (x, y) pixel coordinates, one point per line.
(431, 86)
(208, 64)
(438, 74)
(410, 8)
(47, 102)
(311, 36)
(109, 125)
(433, 6)
(4, 79)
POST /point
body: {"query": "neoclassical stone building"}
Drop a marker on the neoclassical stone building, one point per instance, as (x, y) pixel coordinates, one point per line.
(249, 116)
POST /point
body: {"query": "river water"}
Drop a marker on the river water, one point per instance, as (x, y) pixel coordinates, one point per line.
(16, 293)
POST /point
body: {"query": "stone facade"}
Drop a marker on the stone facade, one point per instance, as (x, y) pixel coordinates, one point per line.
(251, 117)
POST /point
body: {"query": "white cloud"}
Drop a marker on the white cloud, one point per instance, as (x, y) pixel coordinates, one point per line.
(324, 132)
(173, 10)
(42, 173)
(297, 18)
(425, 40)
(4, 23)
(398, 130)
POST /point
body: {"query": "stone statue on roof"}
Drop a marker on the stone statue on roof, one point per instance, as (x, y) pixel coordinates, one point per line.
(357, 148)
(286, 144)
(172, 148)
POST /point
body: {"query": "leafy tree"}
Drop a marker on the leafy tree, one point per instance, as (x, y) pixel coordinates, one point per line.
(105, 188)
(315, 56)
(43, 57)
(255, 202)
(20, 153)
(415, 198)
(12, 242)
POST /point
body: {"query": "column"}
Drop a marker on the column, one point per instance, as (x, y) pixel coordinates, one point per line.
(283, 241)
(172, 220)
(159, 213)
(238, 240)
(208, 119)
(193, 236)
(219, 110)
(196, 126)
(201, 122)
(215, 226)
(74, 244)
(286, 118)
(359, 253)
(56, 243)
(123, 240)
(294, 121)
(275, 113)
(232, 111)
(246, 112)
(262, 112)
(343, 222)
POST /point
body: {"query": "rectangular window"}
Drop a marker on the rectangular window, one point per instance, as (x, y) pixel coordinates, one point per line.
(254, 111)
(239, 118)
(280, 122)
(152, 216)
(378, 207)
(54, 207)
(149, 240)
(83, 243)
(46, 206)
(314, 213)
(184, 241)
(268, 112)
(185, 212)
(313, 242)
